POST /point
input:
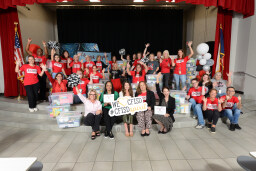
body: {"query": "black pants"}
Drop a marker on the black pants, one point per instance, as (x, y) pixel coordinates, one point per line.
(109, 121)
(42, 83)
(93, 121)
(32, 94)
(213, 116)
(166, 77)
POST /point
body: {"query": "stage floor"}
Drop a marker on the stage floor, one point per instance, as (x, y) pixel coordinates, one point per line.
(182, 149)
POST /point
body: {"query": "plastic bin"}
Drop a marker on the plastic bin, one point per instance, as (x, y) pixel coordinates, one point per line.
(152, 86)
(98, 87)
(54, 111)
(60, 99)
(69, 119)
(185, 108)
(191, 69)
(151, 78)
(179, 96)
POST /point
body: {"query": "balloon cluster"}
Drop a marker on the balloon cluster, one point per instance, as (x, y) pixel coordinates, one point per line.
(204, 57)
(73, 80)
(122, 51)
(53, 45)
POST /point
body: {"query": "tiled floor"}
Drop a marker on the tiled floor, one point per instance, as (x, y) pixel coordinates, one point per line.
(182, 149)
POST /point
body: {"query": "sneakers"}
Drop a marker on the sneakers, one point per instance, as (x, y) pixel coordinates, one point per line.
(31, 109)
(111, 136)
(237, 127)
(199, 127)
(209, 126)
(36, 109)
(224, 120)
(232, 127)
(213, 130)
(106, 134)
(194, 117)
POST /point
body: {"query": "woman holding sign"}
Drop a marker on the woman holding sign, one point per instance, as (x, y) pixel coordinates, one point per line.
(106, 97)
(145, 118)
(165, 120)
(127, 119)
(92, 111)
(212, 107)
(31, 82)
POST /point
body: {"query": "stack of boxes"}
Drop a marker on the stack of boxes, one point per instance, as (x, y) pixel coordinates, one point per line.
(191, 71)
(98, 87)
(182, 106)
(151, 83)
(60, 108)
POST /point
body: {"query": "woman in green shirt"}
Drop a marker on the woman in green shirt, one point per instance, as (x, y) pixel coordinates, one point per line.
(109, 121)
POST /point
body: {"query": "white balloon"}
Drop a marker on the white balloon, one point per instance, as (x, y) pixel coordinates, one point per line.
(202, 61)
(206, 67)
(202, 48)
(199, 57)
(207, 56)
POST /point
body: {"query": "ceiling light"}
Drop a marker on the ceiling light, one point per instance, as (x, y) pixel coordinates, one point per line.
(94, 0)
(138, 0)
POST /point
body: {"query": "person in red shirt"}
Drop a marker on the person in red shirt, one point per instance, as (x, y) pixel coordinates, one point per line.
(57, 65)
(31, 82)
(82, 87)
(100, 65)
(64, 60)
(116, 74)
(75, 64)
(86, 73)
(166, 65)
(180, 67)
(58, 83)
(40, 58)
(232, 108)
(139, 74)
(212, 107)
(95, 76)
(195, 95)
(137, 61)
(113, 60)
(89, 63)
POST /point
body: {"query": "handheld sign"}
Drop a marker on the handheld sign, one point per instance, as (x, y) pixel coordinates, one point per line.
(160, 110)
(127, 105)
(108, 98)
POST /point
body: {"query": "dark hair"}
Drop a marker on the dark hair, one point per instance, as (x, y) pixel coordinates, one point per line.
(58, 74)
(31, 56)
(209, 80)
(140, 73)
(230, 87)
(194, 79)
(112, 89)
(165, 88)
(55, 56)
(64, 52)
(183, 56)
(130, 89)
(138, 90)
(112, 58)
(213, 89)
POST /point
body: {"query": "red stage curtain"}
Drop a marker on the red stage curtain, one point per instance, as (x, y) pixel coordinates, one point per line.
(224, 18)
(246, 7)
(7, 34)
(4, 4)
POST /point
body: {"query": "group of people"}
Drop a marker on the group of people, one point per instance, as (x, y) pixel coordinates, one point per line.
(210, 98)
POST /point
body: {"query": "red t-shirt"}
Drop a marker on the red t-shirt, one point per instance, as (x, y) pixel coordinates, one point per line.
(144, 96)
(56, 87)
(65, 61)
(180, 67)
(196, 94)
(39, 59)
(212, 105)
(96, 77)
(81, 86)
(166, 65)
(99, 65)
(136, 77)
(76, 66)
(230, 103)
(111, 63)
(57, 67)
(89, 65)
(30, 74)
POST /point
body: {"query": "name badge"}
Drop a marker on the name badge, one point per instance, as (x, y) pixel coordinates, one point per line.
(159, 110)
(80, 90)
(32, 71)
(108, 98)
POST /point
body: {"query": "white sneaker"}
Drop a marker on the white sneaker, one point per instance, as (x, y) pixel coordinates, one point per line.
(194, 116)
(199, 127)
(31, 109)
(36, 109)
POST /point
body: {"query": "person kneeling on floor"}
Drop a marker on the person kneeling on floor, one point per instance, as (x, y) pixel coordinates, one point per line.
(232, 108)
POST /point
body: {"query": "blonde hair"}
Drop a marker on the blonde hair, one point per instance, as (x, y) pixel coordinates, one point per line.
(93, 90)
(216, 74)
(166, 51)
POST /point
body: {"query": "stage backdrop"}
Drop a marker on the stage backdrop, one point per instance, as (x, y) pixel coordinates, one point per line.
(113, 29)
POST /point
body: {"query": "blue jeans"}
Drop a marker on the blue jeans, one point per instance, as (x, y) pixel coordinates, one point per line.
(197, 109)
(179, 78)
(232, 114)
(77, 100)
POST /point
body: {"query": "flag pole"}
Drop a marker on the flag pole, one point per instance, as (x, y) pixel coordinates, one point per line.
(19, 97)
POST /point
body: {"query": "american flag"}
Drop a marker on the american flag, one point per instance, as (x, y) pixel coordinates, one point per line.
(221, 53)
(18, 55)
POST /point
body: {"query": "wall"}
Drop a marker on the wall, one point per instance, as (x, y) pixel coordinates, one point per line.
(37, 23)
(1, 71)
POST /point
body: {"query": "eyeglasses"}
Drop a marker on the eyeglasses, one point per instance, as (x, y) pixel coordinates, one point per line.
(231, 91)
(92, 94)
